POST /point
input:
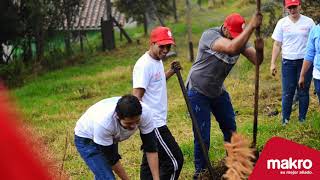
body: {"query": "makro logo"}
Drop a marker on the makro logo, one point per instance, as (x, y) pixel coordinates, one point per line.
(289, 163)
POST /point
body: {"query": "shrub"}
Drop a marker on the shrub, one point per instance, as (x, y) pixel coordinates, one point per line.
(13, 73)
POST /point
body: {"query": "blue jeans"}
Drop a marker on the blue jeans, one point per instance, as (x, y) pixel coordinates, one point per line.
(222, 109)
(290, 77)
(93, 156)
(317, 87)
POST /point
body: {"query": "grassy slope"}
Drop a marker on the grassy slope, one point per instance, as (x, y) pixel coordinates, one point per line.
(53, 103)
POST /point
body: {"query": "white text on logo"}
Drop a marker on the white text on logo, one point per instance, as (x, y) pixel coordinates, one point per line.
(289, 164)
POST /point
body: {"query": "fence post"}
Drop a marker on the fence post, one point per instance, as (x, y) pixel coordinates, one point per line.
(107, 31)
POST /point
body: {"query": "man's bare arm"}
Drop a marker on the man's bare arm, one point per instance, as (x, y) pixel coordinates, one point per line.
(138, 92)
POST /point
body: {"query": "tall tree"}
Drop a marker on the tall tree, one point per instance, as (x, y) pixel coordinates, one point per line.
(139, 10)
(70, 11)
(311, 9)
(40, 17)
(10, 28)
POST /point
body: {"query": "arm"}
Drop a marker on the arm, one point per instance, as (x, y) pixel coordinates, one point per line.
(234, 46)
(305, 67)
(149, 146)
(141, 78)
(308, 58)
(113, 157)
(138, 92)
(250, 54)
(119, 170)
(275, 53)
(153, 162)
(173, 65)
(169, 73)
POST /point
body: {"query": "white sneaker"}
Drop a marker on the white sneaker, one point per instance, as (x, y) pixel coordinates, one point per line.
(285, 122)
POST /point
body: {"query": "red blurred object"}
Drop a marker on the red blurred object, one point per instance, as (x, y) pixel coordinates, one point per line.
(17, 160)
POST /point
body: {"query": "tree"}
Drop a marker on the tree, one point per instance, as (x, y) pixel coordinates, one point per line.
(272, 14)
(43, 17)
(70, 10)
(38, 18)
(10, 28)
(140, 10)
(311, 9)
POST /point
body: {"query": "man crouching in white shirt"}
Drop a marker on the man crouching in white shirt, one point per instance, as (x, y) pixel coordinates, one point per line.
(108, 122)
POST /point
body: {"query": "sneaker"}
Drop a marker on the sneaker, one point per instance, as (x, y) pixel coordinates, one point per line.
(285, 122)
(200, 174)
(196, 176)
(302, 121)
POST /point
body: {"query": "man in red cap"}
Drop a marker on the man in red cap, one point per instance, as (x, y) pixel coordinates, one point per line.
(290, 35)
(149, 85)
(218, 51)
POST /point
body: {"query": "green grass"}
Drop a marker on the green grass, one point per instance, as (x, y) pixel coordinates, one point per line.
(53, 102)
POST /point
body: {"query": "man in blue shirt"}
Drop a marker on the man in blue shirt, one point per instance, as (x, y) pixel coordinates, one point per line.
(312, 57)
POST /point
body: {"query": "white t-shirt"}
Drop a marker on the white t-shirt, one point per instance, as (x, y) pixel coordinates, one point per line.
(293, 36)
(100, 123)
(148, 74)
(316, 73)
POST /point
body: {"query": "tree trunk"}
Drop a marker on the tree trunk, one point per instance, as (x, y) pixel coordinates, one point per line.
(27, 50)
(210, 4)
(151, 15)
(199, 3)
(67, 34)
(39, 37)
(108, 39)
(145, 24)
(175, 11)
(191, 57)
(1, 55)
(81, 40)
(109, 9)
(154, 12)
(67, 42)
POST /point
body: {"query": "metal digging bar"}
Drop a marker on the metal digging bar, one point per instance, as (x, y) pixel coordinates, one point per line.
(259, 53)
(194, 122)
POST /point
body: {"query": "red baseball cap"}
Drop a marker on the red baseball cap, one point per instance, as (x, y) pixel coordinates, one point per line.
(161, 36)
(235, 24)
(292, 3)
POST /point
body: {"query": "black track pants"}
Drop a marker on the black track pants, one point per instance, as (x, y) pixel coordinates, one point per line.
(170, 157)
